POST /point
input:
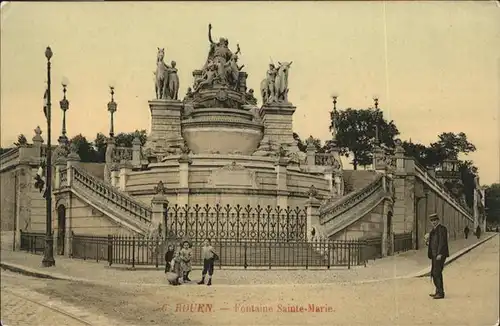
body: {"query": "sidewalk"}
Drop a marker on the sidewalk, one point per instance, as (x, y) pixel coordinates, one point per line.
(404, 265)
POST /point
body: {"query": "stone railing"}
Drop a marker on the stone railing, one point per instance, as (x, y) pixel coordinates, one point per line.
(334, 208)
(121, 154)
(111, 195)
(11, 157)
(324, 159)
(438, 187)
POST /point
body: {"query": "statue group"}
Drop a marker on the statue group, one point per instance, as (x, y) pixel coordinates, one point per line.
(166, 78)
(221, 69)
(274, 88)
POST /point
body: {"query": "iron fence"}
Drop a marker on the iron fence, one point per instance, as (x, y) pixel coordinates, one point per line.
(403, 242)
(373, 248)
(235, 222)
(136, 251)
(33, 242)
(90, 247)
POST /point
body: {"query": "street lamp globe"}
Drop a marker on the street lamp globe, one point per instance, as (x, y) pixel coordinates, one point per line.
(48, 53)
(65, 81)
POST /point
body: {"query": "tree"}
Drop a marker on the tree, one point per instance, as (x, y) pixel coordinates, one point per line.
(416, 150)
(356, 134)
(100, 145)
(492, 201)
(84, 149)
(125, 139)
(21, 140)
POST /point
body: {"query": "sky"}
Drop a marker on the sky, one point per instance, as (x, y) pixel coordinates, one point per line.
(435, 66)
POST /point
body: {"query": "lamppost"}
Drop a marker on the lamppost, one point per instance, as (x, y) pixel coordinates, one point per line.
(334, 116)
(112, 109)
(48, 254)
(377, 136)
(64, 103)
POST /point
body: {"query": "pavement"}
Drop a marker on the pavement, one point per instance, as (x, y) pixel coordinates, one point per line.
(408, 264)
(471, 285)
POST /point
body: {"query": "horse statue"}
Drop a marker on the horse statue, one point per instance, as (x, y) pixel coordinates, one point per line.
(161, 75)
(281, 83)
(276, 91)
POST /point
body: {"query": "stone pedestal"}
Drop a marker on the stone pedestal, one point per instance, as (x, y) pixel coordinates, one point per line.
(312, 206)
(281, 182)
(277, 120)
(165, 124)
(183, 186)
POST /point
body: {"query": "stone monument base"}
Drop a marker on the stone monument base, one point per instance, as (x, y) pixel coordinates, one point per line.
(165, 135)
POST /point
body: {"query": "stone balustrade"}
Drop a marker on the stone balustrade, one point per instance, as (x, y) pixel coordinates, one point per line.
(110, 195)
(335, 207)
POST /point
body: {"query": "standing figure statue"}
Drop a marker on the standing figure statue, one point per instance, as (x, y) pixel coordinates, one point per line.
(161, 74)
(281, 83)
(267, 86)
(219, 54)
(233, 71)
(173, 81)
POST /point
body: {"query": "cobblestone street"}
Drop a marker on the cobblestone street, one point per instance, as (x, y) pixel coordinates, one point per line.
(471, 285)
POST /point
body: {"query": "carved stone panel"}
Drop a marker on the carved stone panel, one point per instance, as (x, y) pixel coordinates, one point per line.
(233, 176)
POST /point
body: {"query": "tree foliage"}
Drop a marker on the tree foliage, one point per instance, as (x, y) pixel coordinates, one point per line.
(96, 151)
(21, 140)
(492, 201)
(449, 146)
(356, 134)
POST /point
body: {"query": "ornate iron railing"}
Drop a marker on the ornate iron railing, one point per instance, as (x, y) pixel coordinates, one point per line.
(33, 242)
(137, 251)
(403, 242)
(110, 195)
(334, 208)
(236, 222)
(373, 248)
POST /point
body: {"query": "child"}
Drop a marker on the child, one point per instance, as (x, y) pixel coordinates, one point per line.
(209, 256)
(169, 255)
(185, 256)
(174, 277)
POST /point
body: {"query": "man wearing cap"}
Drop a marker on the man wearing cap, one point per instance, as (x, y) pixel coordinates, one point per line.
(437, 252)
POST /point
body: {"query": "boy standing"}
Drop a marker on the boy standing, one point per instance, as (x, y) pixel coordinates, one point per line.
(209, 256)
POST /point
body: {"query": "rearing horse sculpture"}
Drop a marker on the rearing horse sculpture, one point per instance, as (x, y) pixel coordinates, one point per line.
(161, 75)
(281, 83)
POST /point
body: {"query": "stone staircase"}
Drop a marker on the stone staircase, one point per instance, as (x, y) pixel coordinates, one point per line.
(338, 213)
(124, 210)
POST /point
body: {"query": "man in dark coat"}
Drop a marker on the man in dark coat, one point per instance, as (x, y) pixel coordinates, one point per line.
(466, 232)
(437, 253)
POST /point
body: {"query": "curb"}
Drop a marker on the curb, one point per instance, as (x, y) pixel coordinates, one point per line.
(427, 271)
(34, 273)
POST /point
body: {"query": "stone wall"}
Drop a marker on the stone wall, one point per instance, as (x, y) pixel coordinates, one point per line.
(86, 220)
(370, 225)
(9, 195)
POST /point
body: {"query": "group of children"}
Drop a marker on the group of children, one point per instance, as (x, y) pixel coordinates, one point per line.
(178, 262)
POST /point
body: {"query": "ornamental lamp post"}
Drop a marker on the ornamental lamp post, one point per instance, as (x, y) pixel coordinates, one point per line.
(64, 104)
(48, 254)
(112, 105)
